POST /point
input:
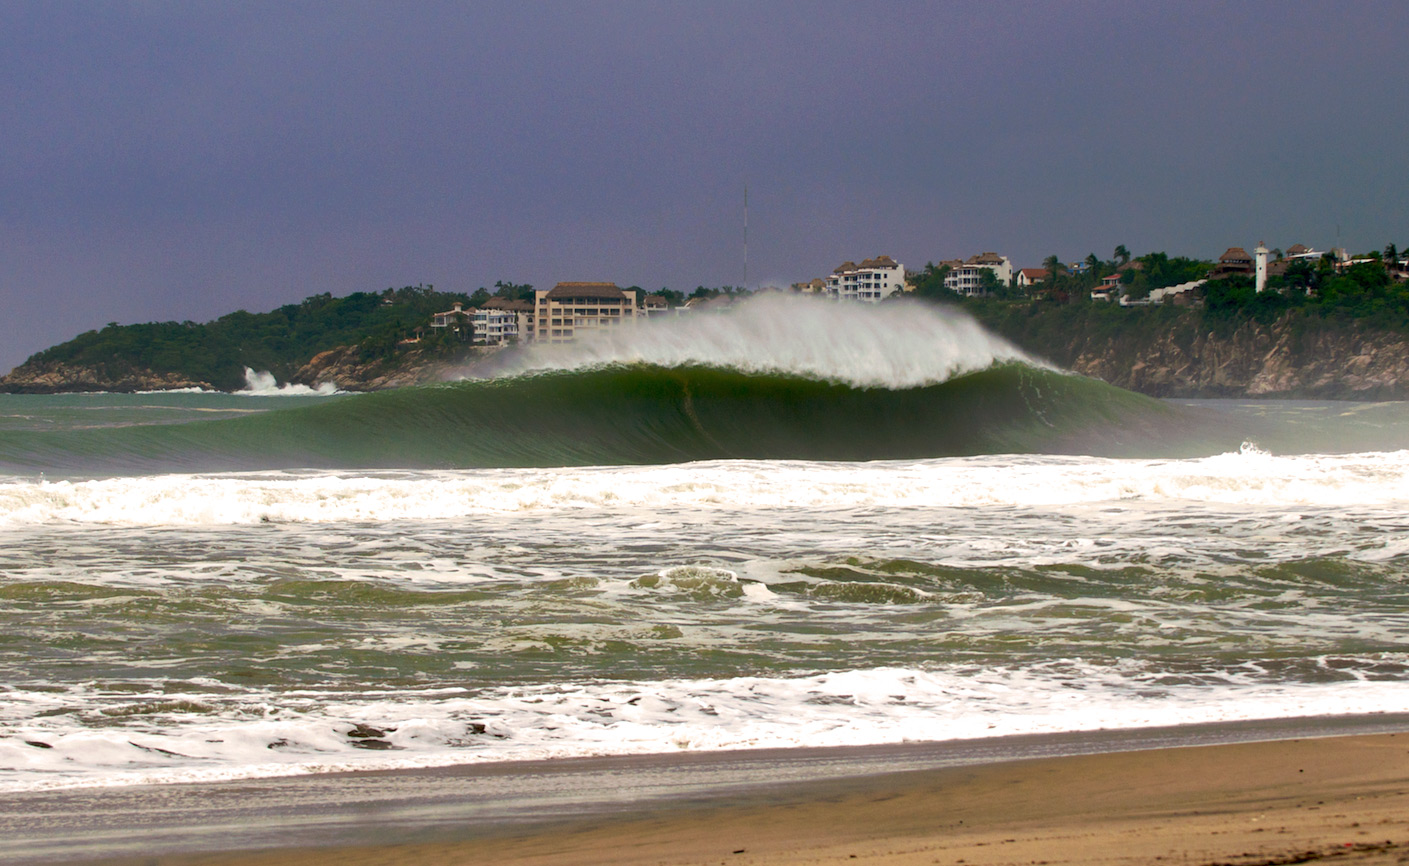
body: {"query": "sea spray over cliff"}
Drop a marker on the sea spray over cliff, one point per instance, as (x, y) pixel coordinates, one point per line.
(893, 345)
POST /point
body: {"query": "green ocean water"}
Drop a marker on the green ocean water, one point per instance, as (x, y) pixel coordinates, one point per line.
(616, 415)
(634, 558)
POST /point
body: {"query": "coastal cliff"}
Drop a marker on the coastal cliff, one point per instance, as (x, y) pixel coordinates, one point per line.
(349, 369)
(1283, 359)
(1168, 352)
(57, 377)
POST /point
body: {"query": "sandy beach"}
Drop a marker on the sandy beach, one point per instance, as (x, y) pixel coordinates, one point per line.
(1343, 798)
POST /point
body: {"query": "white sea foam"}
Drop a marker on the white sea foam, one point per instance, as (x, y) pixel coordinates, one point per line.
(1245, 479)
(212, 737)
(263, 384)
(185, 390)
(894, 345)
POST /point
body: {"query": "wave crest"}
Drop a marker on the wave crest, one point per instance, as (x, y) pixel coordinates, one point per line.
(892, 345)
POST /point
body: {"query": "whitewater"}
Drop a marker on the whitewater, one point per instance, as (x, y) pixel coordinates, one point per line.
(207, 586)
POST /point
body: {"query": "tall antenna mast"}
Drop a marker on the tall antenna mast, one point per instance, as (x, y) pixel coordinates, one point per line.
(746, 237)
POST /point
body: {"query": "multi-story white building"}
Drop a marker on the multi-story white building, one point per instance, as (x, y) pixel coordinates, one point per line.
(571, 311)
(964, 277)
(500, 321)
(869, 281)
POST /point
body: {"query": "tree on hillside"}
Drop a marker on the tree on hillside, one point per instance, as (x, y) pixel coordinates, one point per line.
(1093, 266)
(511, 291)
(929, 283)
(1300, 276)
(1123, 254)
(989, 284)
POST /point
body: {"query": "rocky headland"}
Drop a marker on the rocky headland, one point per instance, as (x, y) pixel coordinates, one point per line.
(1289, 358)
(62, 378)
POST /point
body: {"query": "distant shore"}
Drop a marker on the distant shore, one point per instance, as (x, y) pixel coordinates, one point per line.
(1157, 351)
(1145, 796)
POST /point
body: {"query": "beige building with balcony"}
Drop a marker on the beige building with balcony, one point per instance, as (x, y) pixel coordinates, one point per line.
(571, 311)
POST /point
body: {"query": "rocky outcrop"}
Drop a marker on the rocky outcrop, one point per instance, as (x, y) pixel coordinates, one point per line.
(1294, 357)
(58, 378)
(349, 369)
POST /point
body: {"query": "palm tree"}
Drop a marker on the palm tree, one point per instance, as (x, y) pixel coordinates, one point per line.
(1053, 266)
(1123, 254)
(1094, 265)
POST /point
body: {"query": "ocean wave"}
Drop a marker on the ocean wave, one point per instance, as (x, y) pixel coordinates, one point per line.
(893, 345)
(1235, 479)
(638, 414)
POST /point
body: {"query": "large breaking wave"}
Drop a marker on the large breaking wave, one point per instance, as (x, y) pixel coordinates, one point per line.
(781, 380)
(891, 346)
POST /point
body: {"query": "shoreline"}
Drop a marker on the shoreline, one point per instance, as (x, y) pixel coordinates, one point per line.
(582, 809)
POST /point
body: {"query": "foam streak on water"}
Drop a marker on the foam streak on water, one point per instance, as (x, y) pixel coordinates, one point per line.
(1248, 478)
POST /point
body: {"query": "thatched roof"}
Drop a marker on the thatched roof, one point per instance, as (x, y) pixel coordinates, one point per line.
(593, 291)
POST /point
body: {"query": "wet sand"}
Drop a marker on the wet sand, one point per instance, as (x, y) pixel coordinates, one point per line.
(1342, 798)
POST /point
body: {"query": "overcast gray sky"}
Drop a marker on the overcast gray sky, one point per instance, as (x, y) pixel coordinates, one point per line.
(178, 160)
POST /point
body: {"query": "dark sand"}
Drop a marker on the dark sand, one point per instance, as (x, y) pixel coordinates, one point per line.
(1004, 801)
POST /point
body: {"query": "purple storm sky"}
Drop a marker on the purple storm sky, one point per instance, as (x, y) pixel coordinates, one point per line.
(177, 160)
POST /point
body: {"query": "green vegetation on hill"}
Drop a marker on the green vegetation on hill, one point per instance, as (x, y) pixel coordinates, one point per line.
(1058, 332)
(1059, 320)
(1365, 291)
(279, 341)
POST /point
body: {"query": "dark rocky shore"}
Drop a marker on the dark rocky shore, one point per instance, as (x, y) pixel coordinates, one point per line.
(1288, 359)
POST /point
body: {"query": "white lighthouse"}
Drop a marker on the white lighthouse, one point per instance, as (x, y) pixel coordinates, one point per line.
(1260, 255)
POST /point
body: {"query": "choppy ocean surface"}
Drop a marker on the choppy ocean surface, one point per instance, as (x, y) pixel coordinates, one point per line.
(909, 532)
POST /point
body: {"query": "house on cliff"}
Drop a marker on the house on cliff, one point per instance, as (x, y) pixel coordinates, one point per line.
(456, 320)
(1029, 277)
(966, 277)
(869, 282)
(571, 311)
(501, 321)
(1235, 261)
